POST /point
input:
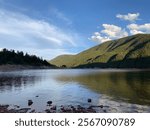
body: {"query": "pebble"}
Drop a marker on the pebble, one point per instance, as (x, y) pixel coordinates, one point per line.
(49, 102)
(30, 102)
(89, 100)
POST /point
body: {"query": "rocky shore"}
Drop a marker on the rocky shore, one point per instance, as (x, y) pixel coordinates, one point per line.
(50, 108)
(54, 109)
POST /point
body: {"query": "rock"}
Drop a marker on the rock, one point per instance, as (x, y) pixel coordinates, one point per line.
(80, 107)
(47, 111)
(16, 106)
(49, 102)
(89, 100)
(104, 111)
(101, 106)
(23, 110)
(4, 108)
(53, 108)
(72, 106)
(30, 102)
(62, 108)
(90, 107)
(37, 96)
(32, 111)
(90, 110)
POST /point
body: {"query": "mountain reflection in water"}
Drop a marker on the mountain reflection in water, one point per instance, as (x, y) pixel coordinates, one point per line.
(133, 87)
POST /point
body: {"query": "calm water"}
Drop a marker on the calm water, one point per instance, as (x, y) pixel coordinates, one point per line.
(121, 90)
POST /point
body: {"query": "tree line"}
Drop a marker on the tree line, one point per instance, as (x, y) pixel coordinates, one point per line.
(19, 58)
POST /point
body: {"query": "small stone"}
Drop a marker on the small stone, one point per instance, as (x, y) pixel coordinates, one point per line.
(53, 108)
(16, 106)
(23, 110)
(89, 100)
(104, 111)
(90, 107)
(32, 111)
(30, 102)
(47, 111)
(101, 106)
(49, 102)
(72, 107)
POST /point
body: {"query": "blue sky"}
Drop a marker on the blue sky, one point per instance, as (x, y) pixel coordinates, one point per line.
(49, 28)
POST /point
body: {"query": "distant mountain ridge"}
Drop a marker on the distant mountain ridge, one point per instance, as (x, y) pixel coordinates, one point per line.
(128, 52)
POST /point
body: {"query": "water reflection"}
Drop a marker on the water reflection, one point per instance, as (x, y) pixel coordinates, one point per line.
(10, 82)
(133, 87)
(122, 91)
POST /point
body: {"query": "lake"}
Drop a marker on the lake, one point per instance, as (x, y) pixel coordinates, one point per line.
(118, 90)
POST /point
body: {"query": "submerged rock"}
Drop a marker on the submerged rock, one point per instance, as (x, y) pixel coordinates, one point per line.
(101, 106)
(49, 102)
(30, 102)
(89, 100)
(16, 106)
(23, 110)
(4, 108)
(47, 111)
(32, 111)
(104, 111)
(53, 108)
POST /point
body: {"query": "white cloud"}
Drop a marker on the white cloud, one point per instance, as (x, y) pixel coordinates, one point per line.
(129, 17)
(113, 31)
(110, 32)
(98, 38)
(135, 28)
(18, 31)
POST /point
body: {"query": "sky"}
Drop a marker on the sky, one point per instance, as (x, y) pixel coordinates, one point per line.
(48, 28)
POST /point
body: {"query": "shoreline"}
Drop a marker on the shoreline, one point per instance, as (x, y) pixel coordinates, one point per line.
(9, 67)
(50, 107)
(22, 67)
(54, 109)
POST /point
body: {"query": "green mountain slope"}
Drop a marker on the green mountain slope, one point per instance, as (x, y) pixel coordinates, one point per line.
(128, 52)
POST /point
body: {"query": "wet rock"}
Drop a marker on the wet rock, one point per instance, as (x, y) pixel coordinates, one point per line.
(72, 106)
(91, 110)
(32, 111)
(47, 111)
(104, 111)
(73, 109)
(16, 106)
(13, 111)
(67, 110)
(62, 108)
(101, 106)
(49, 102)
(53, 108)
(30, 102)
(90, 107)
(23, 110)
(80, 107)
(4, 108)
(89, 100)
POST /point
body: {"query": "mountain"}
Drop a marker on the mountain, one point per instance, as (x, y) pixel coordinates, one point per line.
(128, 52)
(10, 57)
